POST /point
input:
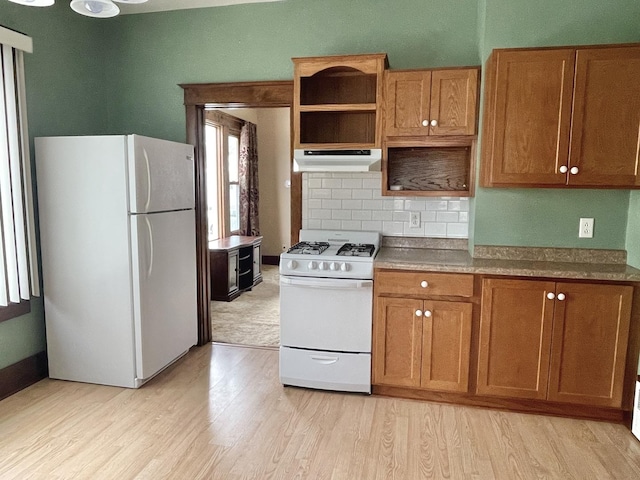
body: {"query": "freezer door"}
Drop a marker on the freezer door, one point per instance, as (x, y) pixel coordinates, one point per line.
(160, 175)
(164, 288)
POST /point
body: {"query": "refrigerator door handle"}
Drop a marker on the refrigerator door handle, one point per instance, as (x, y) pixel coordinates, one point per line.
(146, 162)
(150, 269)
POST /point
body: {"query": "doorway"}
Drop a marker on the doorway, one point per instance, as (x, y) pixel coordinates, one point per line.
(198, 97)
(252, 318)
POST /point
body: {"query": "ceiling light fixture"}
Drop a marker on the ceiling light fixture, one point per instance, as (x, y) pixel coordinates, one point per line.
(89, 8)
(34, 3)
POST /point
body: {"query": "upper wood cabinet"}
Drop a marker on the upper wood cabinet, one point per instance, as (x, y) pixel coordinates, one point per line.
(431, 102)
(337, 101)
(562, 117)
(564, 342)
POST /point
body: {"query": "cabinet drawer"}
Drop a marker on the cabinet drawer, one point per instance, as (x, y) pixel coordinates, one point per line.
(424, 283)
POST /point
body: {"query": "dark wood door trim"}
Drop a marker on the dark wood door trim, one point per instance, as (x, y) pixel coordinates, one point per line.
(197, 97)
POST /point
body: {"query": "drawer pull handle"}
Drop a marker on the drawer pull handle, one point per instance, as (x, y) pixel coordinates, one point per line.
(324, 360)
(424, 284)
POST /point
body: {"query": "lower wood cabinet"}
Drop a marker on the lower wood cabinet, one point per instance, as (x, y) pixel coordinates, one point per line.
(421, 343)
(235, 266)
(557, 341)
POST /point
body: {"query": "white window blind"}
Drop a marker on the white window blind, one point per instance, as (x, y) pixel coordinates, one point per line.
(18, 262)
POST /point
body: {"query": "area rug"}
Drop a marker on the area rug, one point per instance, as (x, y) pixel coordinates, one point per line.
(253, 318)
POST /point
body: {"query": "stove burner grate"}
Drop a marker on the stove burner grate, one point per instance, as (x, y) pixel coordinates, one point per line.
(356, 250)
(309, 248)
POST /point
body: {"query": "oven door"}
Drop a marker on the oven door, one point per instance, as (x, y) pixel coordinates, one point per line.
(326, 313)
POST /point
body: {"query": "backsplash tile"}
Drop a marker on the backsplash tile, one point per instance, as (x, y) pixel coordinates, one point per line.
(353, 201)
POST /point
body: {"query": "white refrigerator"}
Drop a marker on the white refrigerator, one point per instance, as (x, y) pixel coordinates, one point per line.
(117, 230)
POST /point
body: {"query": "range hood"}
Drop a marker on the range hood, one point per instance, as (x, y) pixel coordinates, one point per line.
(322, 160)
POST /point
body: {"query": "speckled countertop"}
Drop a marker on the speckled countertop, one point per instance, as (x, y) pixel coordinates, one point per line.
(444, 256)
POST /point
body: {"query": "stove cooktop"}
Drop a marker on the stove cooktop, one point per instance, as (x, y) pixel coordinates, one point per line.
(308, 248)
(356, 250)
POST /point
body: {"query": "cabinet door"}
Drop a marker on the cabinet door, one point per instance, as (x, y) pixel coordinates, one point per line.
(454, 101)
(407, 103)
(257, 259)
(527, 117)
(590, 334)
(446, 344)
(606, 117)
(515, 338)
(233, 271)
(397, 342)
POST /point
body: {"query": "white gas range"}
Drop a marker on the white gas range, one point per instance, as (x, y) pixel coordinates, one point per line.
(326, 306)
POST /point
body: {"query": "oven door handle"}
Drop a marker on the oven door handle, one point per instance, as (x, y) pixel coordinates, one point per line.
(328, 283)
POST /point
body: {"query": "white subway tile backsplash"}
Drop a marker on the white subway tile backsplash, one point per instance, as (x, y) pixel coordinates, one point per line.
(354, 201)
(331, 203)
(331, 224)
(372, 204)
(320, 193)
(340, 214)
(341, 193)
(386, 215)
(351, 225)
(458, 230)
(435, 229)
(447, 217)
(361, 214)
(352, 204)
(372, 226)
(362, 193)
(352, 183)
(331, 183)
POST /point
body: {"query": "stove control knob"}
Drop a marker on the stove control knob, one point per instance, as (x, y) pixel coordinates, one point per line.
(333, 266)
(322, 266)
(345, 267)
(312, 265)
(292, 264)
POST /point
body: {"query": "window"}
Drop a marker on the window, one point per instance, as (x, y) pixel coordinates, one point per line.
(222, 150)
(18, 268)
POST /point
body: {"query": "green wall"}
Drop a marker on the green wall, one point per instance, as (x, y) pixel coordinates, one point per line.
(549, 217)
(633, 230)
(65, 95)
(120, 76)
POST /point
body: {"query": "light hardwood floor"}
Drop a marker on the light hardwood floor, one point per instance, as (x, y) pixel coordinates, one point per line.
(221, 413)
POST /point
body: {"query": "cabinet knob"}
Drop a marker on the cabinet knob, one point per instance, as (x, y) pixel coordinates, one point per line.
(425, 123)
(418, 313)
(424, 284)
(574, 170)
(551, 295)
(564, 169)
(434, 123)
(561, 296)
(427, 313)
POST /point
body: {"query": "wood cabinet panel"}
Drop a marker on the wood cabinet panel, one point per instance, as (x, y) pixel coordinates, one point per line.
(515, 338)
(454, 101)
(527, 116)
(558, 117)
(407, 101)
(397, 337)
(605, 132)
(446, 345)
(411, 283)
(590, 335)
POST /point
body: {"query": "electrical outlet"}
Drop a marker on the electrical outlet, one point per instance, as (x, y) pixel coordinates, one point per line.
(414, 220)
(586, 228)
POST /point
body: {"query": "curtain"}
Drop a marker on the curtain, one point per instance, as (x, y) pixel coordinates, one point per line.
(248, 180)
